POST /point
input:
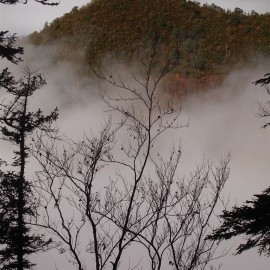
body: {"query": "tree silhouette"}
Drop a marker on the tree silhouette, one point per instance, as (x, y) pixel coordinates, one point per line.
(264, 81)
(253, 218)
(43, 2)
(17, 205)
(7, 49)
(121, 191)
(9, 52)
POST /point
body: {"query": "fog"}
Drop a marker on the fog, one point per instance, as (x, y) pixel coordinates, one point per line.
(222, 120)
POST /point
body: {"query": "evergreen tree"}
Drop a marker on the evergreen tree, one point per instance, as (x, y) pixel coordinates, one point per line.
(7, 49)
(43, 2)
(16, 125)
(10, 52)
(16, 201)
(264, 81)
(253, 218)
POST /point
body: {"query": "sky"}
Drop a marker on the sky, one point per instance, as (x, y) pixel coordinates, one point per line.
(25, 19)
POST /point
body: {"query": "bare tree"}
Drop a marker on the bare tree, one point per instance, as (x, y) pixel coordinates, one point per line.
(143, 203)
(183, 213)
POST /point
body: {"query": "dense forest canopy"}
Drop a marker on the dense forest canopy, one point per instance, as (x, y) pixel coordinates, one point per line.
(207, 38)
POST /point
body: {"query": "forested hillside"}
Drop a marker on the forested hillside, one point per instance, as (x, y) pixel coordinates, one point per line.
(207, 39)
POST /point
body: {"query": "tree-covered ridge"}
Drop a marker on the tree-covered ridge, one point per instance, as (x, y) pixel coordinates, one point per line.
(207, 38)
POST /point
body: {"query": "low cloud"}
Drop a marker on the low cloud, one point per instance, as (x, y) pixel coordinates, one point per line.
(222, 120)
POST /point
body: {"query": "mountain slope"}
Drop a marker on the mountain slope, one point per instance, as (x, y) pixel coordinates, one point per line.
(208, 39)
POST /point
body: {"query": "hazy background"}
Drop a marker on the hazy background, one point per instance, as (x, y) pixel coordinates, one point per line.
(221, 120)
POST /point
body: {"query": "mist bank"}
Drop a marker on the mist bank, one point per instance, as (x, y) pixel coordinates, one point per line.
(221, 120)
